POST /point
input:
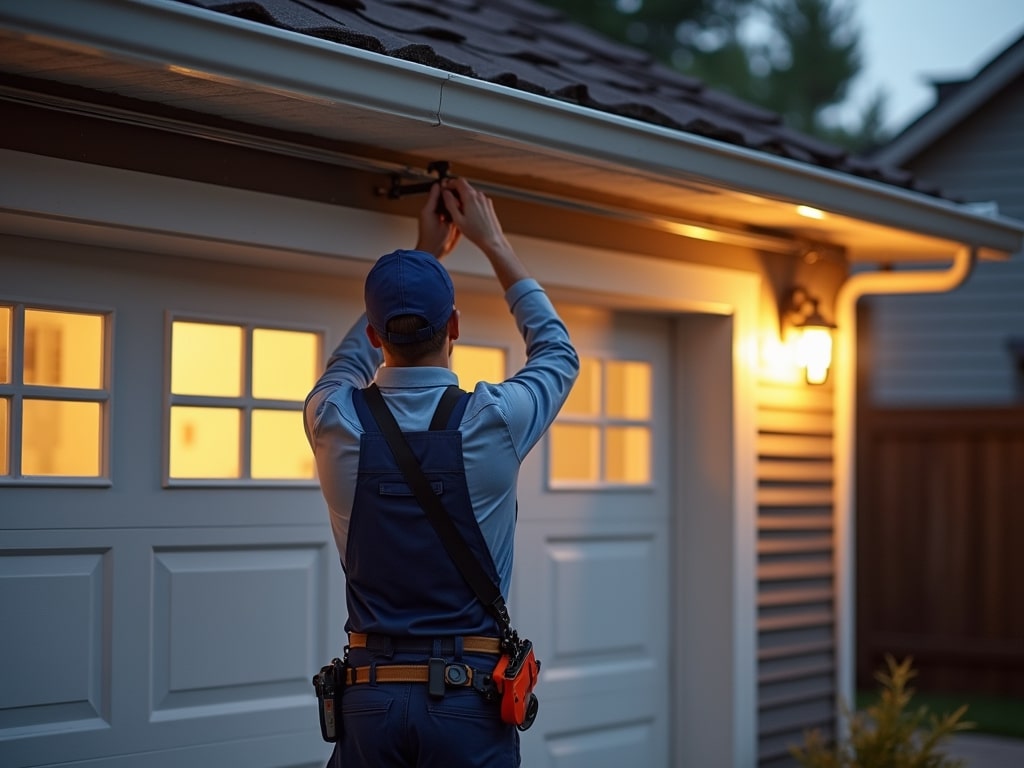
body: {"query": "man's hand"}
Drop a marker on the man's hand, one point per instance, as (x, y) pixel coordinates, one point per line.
(473, 213)
(436, 235)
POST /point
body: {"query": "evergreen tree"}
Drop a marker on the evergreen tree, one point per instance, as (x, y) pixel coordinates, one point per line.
(800, 65)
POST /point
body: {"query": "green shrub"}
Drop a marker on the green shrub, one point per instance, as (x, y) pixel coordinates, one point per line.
(888, 734)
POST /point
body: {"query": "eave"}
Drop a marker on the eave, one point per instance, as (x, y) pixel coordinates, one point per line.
(172, 54)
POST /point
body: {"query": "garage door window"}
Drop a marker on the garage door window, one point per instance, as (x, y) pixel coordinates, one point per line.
(603, 434)
(236, 393)
(473, 364)
(54, 394)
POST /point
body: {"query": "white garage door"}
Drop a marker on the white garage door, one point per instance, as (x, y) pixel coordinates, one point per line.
(591, 580)
(168, 587)
(167, 576)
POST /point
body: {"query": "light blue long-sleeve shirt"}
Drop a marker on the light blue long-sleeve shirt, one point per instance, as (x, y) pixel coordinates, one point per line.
(501, 424)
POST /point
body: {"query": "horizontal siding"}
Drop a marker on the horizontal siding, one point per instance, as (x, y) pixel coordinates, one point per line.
(951, 349)
(796, 568)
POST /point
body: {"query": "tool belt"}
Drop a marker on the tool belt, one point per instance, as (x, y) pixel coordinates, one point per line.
(449, 645)
(437, 673)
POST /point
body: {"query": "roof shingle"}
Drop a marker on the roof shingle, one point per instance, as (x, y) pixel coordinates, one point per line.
(532, 47)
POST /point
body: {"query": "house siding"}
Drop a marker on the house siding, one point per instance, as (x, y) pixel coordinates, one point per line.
(952, 348)
(796, 568)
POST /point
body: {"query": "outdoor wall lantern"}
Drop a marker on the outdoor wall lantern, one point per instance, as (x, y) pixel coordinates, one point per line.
(809, 335)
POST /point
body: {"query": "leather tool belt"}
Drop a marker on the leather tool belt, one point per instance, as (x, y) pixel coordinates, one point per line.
(467, 644)
(438, 674)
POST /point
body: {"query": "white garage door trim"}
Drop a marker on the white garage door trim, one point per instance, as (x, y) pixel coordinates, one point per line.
(715, 677)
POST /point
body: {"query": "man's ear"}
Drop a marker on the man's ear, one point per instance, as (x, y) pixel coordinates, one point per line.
(371, 334)
(453, 325)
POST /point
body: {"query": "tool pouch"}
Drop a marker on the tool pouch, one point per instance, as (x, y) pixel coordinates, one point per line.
(329, 685)
(515, 677)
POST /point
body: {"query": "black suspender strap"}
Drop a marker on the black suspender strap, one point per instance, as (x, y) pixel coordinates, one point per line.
(482, 585)
(443, 412)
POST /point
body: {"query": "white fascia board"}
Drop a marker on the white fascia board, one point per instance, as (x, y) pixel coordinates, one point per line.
(263, 58)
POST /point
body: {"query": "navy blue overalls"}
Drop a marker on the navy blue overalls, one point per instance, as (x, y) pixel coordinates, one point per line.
(408, 596)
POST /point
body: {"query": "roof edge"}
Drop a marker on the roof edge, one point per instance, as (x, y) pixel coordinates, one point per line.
(212, 45)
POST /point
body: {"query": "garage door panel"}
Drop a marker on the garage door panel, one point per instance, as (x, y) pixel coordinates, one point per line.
(232, 623)
(233, 626)
(584, 574)
(56, 604)
(592, 599)
(611, 745)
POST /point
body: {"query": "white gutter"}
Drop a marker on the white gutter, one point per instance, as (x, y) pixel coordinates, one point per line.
(218, 47)
(859, 285)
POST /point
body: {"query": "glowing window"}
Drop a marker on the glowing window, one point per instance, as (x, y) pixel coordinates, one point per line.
(236, 396)
(603, 434)
(5, 345)
(54, 394)
(206, 359)
(278, 437)
(61, 438)
(473, 364)
(5, 435)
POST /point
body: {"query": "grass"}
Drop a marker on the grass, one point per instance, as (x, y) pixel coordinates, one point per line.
(995, 715)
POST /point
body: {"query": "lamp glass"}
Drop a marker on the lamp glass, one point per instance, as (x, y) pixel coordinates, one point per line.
(814, 352)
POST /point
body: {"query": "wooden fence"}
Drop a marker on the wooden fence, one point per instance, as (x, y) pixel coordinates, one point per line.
(940, 547)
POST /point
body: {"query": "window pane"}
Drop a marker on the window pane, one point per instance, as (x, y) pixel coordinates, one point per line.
(205, 442)
(629, 455)
(60, 438)
(279, 447)
(474, 364)
(575, 453)
(5, 437)
(5, 345)
(206, 359)
(63, 349)
(585, 397)
(284, 364)
(629, 390)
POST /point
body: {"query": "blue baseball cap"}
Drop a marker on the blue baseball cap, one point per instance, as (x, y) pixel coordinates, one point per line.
(408, 283)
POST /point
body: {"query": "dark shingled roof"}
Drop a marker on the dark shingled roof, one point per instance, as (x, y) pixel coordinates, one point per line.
(535, 48)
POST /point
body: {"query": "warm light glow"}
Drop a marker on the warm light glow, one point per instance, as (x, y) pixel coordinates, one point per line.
(474, 364)
(810, 213)
(604, 432)
(60, 438)
(585, 396)
(206, 359)
(575, 453)
(284, 364)
(628, 386)
(279, 448)
(63, 349)
(777, 359)
(628, 455)
(5, 346)
(205, 442)
(5, 407)
(814, 352)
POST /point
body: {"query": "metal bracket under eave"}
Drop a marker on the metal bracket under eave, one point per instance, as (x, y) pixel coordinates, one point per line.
(398, 189)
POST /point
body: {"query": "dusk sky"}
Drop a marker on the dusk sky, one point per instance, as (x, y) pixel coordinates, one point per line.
(907, 43)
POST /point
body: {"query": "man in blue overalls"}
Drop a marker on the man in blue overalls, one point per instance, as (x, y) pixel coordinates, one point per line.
(408, 605)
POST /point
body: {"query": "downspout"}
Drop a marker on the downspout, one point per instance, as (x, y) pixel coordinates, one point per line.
(864, 284)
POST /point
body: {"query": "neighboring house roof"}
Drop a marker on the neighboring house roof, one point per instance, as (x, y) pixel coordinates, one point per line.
(534, 48)
(956, 101)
